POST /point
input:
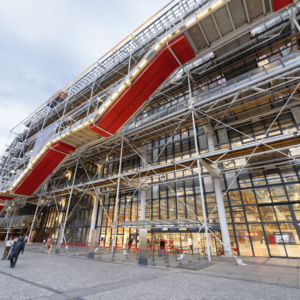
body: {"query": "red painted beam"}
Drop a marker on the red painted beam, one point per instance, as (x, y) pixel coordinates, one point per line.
(43, 168)
(150, 78)
(5, 198)
(279, 4)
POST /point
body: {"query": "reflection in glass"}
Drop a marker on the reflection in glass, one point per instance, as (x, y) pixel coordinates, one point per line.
(283, 213)
(274, 239)
(262, 195)
(248, 197)
(267, 214)
(293, 191)
(258, 240)
(238, 214)
(252, 213)
(290, 239)
(243, 240)
(278, 194)
(235, 198)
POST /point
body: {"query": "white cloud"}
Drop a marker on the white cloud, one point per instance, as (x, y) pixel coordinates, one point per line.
(45, 44)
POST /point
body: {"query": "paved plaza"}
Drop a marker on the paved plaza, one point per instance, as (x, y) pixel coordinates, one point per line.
(68, 276)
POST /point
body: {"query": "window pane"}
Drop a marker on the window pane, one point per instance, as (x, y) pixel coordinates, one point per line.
(155, 209)
(288, 174)
(243, 240)
(238, 214)
(283, 213)
(258, 179)
(262, 195)
(258, 240)
(190, 202)
(163, 209)
(274, 240)
(248, 197)
(290, 239)
(252, 214)
(273, 177)
(267, 214)
(296, 208)
(172, 208)
(181, 209)
(293, 191)
(278, 193)
(244, 180)
(235, 198)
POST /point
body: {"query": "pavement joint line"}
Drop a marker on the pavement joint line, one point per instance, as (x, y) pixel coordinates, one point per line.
(33, 283)
(243, 279)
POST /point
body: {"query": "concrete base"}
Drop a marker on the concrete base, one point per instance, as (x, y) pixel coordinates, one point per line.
(57, 251)
(143, 261)
(91, 255)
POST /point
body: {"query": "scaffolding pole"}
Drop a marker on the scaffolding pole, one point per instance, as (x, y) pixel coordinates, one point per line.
(201, 188)
(117, 198)
(36, 210)
(67, 212)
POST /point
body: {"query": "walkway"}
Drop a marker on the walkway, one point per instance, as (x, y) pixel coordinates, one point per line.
(45, 276)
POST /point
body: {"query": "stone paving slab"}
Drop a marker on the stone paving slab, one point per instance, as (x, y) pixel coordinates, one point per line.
(60, 277)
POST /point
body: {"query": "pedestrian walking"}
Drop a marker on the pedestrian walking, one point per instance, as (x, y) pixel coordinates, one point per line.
(48, 244)
(26, 239)
(7, 248)
(19, 246)
(130, 243)
(111, 243)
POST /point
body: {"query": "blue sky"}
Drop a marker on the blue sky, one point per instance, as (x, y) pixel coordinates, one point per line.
(45, 44)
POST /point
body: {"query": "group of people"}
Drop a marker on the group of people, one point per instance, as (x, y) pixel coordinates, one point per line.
(14, 247)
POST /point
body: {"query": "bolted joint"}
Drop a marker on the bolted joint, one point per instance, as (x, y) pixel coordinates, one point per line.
(208, 129)
(213, 170)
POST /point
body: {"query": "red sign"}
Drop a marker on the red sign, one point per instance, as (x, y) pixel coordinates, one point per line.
(279, 4)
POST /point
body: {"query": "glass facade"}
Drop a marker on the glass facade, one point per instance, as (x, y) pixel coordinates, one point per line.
(261, 205)
(263, 212)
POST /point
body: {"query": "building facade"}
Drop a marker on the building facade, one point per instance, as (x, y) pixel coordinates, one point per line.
(216, 142)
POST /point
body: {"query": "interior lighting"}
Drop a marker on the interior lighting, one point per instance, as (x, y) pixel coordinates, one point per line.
(143, 63)
(114, 96)
(101, 110)
(202, 14)
(216, 4)
(190, 22)
(106, 104)
(157, 46)
(135, 72)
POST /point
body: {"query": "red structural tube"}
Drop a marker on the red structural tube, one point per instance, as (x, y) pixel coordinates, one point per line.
(150, 78)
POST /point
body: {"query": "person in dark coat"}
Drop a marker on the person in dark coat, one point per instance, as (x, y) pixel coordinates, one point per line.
(17, 248)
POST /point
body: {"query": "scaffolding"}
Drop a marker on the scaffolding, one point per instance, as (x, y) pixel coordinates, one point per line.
(218, 89)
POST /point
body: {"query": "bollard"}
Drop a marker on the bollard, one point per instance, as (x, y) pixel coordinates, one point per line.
(137, 254)
(99, 252)
(168, 265)
(190, 256)
(199, 254)
(175, 254)
(86, 252)
(179, 258)
(123, 258)
(113, 254)
(153, 264)
(127, 256)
